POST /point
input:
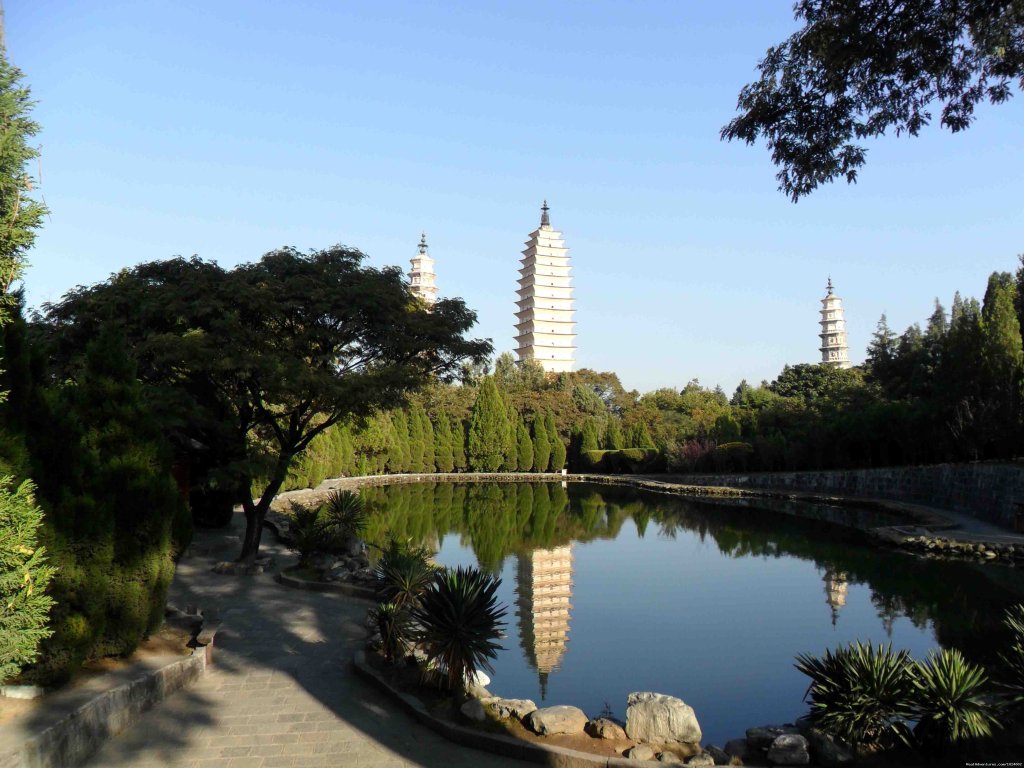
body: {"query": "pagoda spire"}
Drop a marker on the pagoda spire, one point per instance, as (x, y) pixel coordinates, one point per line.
(544, 221)
(423, 243)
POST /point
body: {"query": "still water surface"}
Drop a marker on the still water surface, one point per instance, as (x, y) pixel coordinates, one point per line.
(611, 590)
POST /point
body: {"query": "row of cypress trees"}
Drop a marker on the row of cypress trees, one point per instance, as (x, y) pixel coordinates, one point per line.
(495, 438)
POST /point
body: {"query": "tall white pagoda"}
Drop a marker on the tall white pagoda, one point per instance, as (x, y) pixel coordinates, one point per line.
(421, 277)
(834, 348)
(545, 329)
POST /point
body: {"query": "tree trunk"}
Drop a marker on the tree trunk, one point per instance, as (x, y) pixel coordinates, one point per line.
(255, 513)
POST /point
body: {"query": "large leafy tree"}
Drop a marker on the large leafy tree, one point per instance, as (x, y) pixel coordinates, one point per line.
(255, 362)
(860, 68)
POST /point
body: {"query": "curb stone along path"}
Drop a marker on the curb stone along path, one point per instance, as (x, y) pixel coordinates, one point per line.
(281, 692)
(80, 720)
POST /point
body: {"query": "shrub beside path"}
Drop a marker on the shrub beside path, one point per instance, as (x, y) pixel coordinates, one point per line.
(281, 691)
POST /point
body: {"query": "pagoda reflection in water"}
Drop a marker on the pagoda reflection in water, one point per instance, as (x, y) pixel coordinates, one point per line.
(543, 595)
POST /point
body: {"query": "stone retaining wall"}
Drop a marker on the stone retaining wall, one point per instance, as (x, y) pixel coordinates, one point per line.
(74, 738)
(987, 491)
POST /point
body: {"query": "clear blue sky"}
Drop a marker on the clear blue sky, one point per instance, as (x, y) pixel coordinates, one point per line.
(230, 128)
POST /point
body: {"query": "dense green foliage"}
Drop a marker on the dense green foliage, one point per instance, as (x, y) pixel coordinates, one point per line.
(24, 577)
(24, 571)
(254, 363)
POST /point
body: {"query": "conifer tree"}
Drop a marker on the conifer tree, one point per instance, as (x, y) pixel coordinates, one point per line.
(459, 457)
(640, 437)
(541, 444)
(525, 447)
(429, 457)
(488, 429)
(399, 455)
(24, 576)
(444, 456)
(417, 443)
(588, 436)
(613, 435)
(1003, 360)
(24, 573)
(511, 462)
(558, 450)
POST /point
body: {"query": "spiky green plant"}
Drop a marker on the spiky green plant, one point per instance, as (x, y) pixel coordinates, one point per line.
(404, 573)
(459, 620)
(950, 701)
(345, 515)
(1011, 670)
(394, 624)
(860, 693)
(306, 533)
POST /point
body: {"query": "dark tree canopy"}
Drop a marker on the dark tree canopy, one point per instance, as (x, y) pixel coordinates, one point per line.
(255, 362)
(859, 68)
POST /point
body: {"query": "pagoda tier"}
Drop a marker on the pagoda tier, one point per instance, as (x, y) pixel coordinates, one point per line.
(545, 328)
(834, 347)
(422, 279)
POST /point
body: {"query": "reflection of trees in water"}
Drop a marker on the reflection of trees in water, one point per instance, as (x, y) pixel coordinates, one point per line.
(964, 601)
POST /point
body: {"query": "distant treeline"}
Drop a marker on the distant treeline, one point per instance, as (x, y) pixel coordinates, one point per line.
(949, 392)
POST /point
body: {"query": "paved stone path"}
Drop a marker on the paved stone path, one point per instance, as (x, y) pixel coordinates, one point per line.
(281, 691)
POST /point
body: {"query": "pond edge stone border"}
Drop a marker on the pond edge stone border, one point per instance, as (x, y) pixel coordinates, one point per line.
(506, 746)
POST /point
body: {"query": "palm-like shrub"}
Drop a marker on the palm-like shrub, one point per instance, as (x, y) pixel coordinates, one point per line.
(394, 624)
(306, 532)
(345, 516)
(404, 573)
(860, 693)
(1011, 672)
(459, 620)
(950, 703)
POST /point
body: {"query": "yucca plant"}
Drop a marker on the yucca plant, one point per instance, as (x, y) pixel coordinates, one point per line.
(306, 532)
(345, 516)
(860, 693)
(404, 573)
(459, 620)
(1011, 670)
(395, 627)
(950, 701)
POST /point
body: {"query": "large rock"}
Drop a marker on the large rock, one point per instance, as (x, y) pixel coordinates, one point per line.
(660, 719)
(703, 760)
(737, 748)
(506, 708)
(555, 720)
(474, 710)
(720, 756)
(640, 752)
(761, 738)
(604, 728)
(789, 749)
(825, 752)
(670, 758)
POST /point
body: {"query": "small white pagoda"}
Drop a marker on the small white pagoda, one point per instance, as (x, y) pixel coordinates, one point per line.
(545, 329)
(834, 348)
(421, 277)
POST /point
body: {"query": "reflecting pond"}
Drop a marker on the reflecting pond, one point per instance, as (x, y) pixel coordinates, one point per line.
(611, 590)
